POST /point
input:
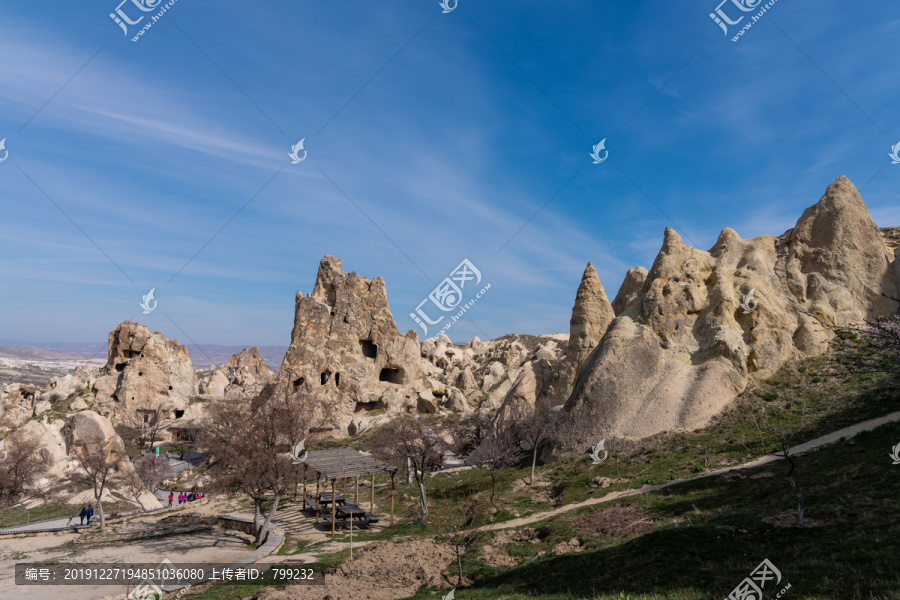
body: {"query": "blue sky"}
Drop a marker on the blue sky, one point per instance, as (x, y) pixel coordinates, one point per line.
(431, 138)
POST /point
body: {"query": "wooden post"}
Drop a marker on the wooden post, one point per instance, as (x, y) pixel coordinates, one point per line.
(333, 506)
(356, 493)
(304, 487)
(392, 499)
(372, 509)
(317, 496)
(351, 538)
(344, 493)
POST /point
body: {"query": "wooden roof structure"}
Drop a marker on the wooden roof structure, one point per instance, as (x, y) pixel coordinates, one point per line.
(341, 463)
(345, 463)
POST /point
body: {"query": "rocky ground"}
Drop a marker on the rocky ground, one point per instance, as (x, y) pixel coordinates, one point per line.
(382, 571)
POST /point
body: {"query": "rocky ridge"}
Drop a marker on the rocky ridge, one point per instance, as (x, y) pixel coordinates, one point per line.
(688, 339)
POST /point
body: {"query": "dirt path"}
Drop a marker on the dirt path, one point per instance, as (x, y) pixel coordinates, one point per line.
(830, 438)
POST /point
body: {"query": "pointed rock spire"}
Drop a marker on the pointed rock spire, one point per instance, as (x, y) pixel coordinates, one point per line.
(591, 315)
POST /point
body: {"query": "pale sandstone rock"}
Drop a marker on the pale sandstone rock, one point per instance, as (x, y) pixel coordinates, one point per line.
(630, 289)
(465, 381)
(143, 372)
(591, 315)
(684, 348)
(244, 374)
(346, 349)
(530, 392)
(455, 400)
(78, 404)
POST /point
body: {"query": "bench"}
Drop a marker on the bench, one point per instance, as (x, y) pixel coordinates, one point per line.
(360, 523)
(311, 505)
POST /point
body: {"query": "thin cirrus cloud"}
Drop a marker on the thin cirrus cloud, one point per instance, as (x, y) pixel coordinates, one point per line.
(452, 149)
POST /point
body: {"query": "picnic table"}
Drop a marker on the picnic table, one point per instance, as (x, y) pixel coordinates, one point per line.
(328, 498)
(324, 500)
(350, 513)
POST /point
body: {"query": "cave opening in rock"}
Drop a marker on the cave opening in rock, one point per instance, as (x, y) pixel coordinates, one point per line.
(325, 376)
(337, 379)
(391, 375)
(179, 414)
(369, 348)
(129, 353)
(120, 367)
(298, 382)
(368, 406)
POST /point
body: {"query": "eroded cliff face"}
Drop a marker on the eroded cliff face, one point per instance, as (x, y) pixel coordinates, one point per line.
(690, 338)
(591, 317)
(144, 370)
(346, 351)
(244, 375)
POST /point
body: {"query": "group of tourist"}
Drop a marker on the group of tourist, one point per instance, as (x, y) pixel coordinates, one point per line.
(184, 497)
(86, 513)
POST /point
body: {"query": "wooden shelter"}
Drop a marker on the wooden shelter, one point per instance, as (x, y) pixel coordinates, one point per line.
(346, 463)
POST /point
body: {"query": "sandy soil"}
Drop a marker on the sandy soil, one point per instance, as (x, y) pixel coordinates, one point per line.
(382, 571)
(136, 541)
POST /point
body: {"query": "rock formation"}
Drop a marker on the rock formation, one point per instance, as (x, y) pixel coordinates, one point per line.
(144, 371)
(591, 316)
(689, 338)
(630, 289)
(244, 375)
(58, 440)
(346, 350)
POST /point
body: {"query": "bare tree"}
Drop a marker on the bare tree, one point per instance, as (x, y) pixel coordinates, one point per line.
(458, 527)
(499, 449)
(616, 448)
(783, 424)
(20, 467)
(146, 427)
(249, 446)
(404, 440)
(159, 419)
(131, 482)
(870, 348)
(532, 430)
(146, 476)
(98, 468)
(470, 431)
(152, 471)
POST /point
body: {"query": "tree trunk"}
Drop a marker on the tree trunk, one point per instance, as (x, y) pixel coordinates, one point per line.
(533, 462)
(459, 566)
(102, 516)
(493, 487)
(422, 499)
(257, 502)
(800, 506)
(263, 532)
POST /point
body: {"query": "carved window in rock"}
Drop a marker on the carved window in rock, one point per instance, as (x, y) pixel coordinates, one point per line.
(369, 348)
(391, 375)
(146, 417)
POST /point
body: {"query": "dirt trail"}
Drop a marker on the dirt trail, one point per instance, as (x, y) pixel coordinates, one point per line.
(830, 438)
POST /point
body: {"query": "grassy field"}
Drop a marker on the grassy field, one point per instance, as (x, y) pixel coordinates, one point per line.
(710, 534)
(697, 540)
